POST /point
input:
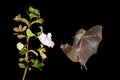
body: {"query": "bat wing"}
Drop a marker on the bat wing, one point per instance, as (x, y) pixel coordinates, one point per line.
(89, 43)
(77, 37)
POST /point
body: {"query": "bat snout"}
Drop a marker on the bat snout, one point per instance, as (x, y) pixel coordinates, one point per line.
(63, 46)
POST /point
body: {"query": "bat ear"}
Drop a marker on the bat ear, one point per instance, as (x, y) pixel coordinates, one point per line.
(61, 43)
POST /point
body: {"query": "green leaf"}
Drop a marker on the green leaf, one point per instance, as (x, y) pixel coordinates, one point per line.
(20, 36)
(32, 60)
(29, 33)
(41, 30)
(24, 28)
(43, 55)
(39, 65)
(22, 52)
(33, 10)
(25, 21)
(33, 52)
(21, 65)
(36, 61)
(38, 21)
(21, 59)
(16, 29)
(17, 18)
(31, 15)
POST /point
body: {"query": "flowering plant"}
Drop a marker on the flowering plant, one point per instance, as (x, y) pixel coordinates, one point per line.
(31, 57)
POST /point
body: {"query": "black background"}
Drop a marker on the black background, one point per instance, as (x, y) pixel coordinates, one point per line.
(63, 19)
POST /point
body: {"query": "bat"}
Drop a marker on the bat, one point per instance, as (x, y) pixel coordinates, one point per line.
(85, 44)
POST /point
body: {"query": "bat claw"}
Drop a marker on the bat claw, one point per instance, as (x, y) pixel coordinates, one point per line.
(81, 67)
(84, 67)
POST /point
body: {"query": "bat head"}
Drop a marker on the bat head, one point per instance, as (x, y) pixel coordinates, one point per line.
(65, 47)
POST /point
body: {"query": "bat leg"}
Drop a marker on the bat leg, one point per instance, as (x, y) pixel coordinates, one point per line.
(85, 67)
(81, 67)
(82, 64)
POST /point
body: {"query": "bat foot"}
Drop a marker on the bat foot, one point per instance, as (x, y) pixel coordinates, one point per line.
(81, 67)
(84, 67)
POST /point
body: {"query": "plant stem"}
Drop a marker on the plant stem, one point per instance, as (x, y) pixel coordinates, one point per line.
(25, 72)
(26, 58)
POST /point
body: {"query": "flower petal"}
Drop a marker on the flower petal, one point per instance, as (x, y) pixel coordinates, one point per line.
(20, 46)
(46, 39)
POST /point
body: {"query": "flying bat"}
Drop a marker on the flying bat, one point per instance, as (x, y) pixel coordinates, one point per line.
(85, 44)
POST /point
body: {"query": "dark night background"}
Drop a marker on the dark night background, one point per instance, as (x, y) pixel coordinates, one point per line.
(62, 19)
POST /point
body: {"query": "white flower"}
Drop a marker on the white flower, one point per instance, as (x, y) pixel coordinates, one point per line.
(20, 46)
(46, 39)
